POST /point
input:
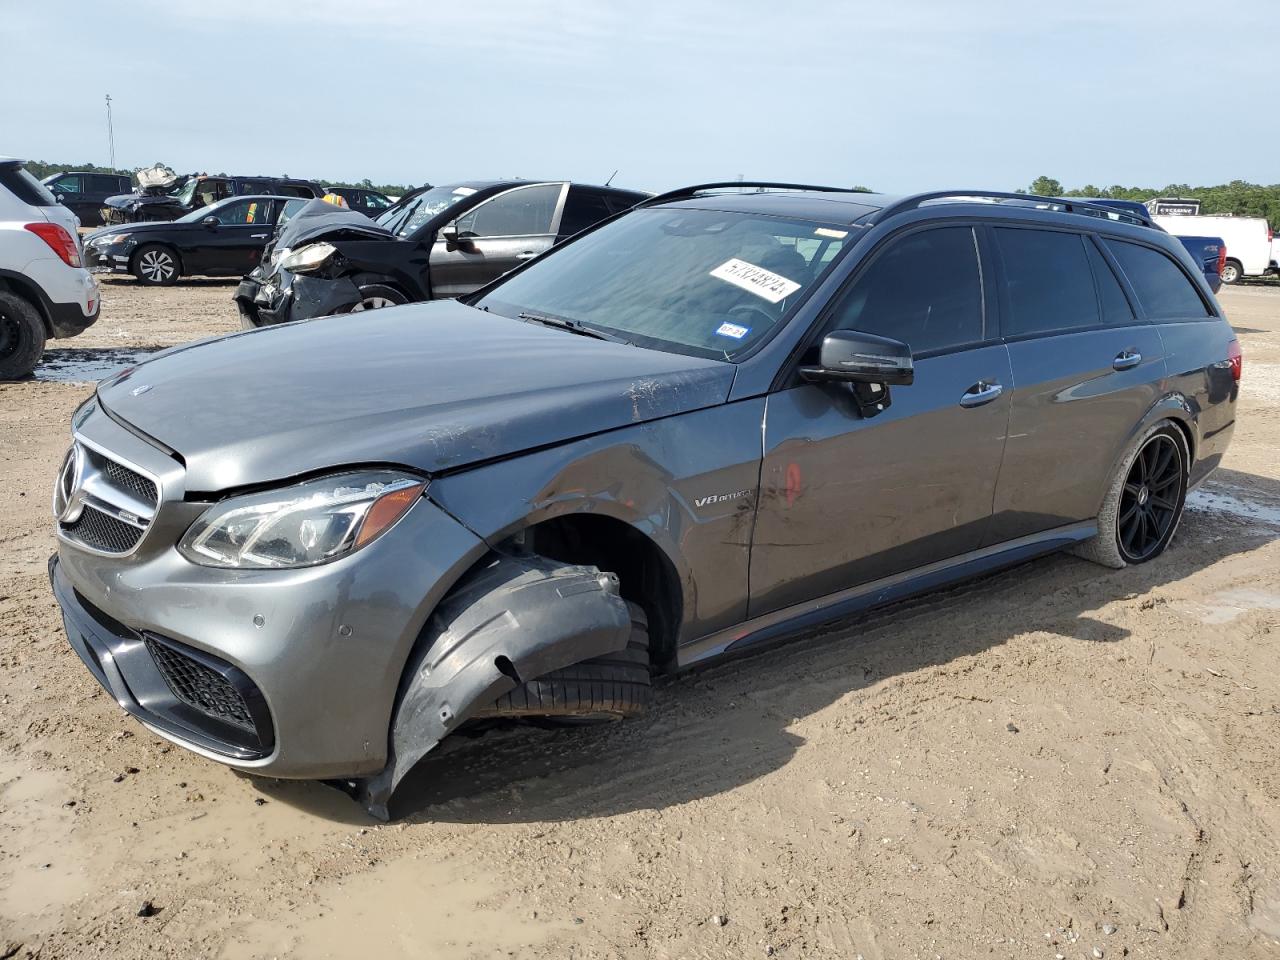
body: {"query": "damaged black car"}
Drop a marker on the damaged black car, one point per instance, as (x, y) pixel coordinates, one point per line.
(443, 242)
(186, 194)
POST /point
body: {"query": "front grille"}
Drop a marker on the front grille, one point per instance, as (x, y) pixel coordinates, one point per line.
(101, 531)
(200, 686)
(121, 476)
(103, 504)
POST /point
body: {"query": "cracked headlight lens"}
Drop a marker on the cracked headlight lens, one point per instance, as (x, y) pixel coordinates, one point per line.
(302, 525)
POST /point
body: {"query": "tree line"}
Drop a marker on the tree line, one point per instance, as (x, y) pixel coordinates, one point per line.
(1238, 198)
(39, 169)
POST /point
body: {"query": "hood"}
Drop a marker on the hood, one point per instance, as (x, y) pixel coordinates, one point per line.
(149, 226)
(135, 200)
(432, 386)
(319, 219)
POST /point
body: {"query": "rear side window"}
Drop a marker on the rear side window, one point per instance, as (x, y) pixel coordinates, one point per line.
(925, 290)
(1048, 281)
(67, 183)
(1116, 311)
(1162, 288)
(24, 186)
(581, 210)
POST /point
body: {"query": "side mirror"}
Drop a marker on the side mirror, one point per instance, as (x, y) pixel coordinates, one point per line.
(852, 357)
(449, 234)
(210, 221)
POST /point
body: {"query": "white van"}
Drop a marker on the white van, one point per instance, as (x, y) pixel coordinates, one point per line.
(1248, 241)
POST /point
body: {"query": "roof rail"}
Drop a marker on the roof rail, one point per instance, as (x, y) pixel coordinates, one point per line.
(684, 193)
(1080, 206)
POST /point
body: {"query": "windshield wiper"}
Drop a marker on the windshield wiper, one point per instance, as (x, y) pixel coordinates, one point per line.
(573, 326)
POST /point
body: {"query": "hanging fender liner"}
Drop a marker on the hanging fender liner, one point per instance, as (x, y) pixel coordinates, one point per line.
(513, 619)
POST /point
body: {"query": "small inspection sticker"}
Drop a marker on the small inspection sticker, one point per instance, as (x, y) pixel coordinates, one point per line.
(763, 283)
(732, 330)
(463, 191)
(833, 234)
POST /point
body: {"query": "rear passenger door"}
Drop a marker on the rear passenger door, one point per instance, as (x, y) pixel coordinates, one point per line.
(1086, 369)
(497, 235)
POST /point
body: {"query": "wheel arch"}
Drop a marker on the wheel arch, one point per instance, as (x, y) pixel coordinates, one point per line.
(1173, 407)
(17, 284)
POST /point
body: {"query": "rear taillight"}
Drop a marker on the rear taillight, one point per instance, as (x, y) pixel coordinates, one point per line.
(1236, 358)
(61, 242)
(1222, 257)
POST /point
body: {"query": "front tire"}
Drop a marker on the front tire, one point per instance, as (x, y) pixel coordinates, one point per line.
(156, 266)
(22, 336)
(1232, 271)
(374, 296)
(611, 687)
(1144, 501)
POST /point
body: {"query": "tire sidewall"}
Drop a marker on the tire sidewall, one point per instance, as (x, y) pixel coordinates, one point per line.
(32, 332)
(1236, 272)
(381, 290)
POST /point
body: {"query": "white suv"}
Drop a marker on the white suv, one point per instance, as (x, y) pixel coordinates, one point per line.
(44, 289)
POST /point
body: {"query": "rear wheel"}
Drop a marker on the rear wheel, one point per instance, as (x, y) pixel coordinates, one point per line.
(22, 336)
(374, 296)
(1231, 272)
(606, 688)
(155, 265)
(1144, 501)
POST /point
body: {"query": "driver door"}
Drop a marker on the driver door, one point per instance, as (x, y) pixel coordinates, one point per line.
(495, 236)
(848, 498)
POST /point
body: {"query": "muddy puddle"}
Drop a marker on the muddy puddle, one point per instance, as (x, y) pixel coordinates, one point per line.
(87, 365)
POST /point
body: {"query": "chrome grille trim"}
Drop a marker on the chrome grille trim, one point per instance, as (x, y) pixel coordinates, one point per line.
(108, 484)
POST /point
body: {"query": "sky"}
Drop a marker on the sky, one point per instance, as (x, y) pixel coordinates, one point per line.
(897, 95)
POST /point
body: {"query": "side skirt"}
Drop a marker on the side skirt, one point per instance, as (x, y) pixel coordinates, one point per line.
(789, 621)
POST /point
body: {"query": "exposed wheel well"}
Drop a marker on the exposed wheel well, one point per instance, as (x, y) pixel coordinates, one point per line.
(646, 576)
(1190, 440)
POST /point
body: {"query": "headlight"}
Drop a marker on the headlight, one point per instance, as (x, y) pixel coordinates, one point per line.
(307, 258)
(277, 255)
(117, 238)
(302, 525)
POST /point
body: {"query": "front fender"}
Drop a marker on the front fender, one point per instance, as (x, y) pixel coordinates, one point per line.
(511, 620)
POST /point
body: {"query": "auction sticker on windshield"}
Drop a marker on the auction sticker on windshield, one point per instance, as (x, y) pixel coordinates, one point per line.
(763, 283)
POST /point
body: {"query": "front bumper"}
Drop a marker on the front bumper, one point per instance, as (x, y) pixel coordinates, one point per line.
(283, 297)
(323, 647)
(113, 258)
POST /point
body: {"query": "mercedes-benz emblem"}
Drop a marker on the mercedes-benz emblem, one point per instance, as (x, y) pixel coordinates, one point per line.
(67, 499)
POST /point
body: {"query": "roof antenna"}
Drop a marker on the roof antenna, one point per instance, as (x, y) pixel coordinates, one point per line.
(611, 176)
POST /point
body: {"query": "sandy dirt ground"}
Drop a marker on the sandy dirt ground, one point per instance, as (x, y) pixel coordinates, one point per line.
(1058, 762)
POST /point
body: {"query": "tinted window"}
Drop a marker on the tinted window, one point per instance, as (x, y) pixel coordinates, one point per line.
(1047, 280)
(925, 290)
(517, 213)
(1162, 288)
(1115, 307)
(24, 186)
(67, 183)
(103, 183)
(581, 210)
(376, 201)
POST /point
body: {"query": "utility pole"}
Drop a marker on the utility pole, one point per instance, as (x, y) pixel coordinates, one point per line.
(111, 134)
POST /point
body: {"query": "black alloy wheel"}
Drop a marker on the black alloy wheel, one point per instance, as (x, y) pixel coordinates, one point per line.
(1151, 499)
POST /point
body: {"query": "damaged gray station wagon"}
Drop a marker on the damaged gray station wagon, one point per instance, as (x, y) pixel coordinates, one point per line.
(706, 423)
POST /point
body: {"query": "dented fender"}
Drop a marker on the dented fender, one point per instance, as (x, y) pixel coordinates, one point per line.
(512, 620)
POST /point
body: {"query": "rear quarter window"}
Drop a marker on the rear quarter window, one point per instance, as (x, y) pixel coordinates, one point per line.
(1164, 291)
(25, 187)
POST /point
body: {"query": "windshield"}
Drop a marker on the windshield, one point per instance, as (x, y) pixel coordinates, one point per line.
(699, 282)
(404, 220)
(186, 191)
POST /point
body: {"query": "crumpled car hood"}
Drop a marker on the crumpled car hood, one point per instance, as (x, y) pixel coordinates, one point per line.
(135, 200)
(319, 219)
(431, 386)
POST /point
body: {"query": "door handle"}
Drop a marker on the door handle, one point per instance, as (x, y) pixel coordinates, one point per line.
(1126, 360)
(527, 255)
(980, 393)
(257, 236)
